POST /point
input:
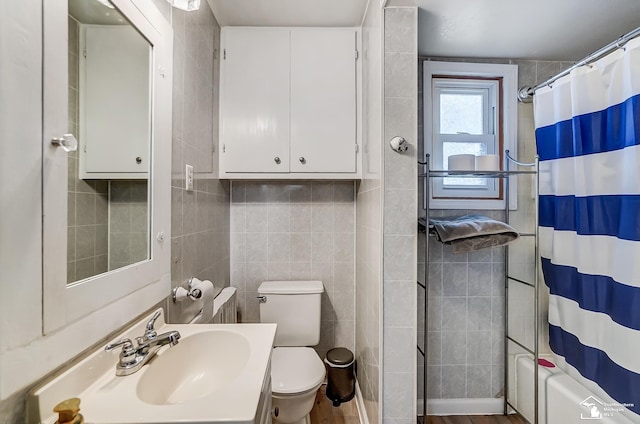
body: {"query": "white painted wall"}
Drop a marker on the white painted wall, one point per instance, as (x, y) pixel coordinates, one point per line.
(368, 314)
(20, 174)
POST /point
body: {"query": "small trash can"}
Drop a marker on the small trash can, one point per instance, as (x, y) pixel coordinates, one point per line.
(341, 379)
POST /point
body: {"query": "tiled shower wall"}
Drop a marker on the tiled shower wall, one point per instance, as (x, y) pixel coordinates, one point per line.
(466, 293)
(466, 312)
(297, 231)
(369, 220)
(400, 216)
(199, 218)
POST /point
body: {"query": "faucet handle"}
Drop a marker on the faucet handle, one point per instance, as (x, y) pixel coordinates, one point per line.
(128, 354)
(127, 346)
(151, 331)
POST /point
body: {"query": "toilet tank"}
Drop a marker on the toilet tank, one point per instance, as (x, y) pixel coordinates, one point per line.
(295, 307)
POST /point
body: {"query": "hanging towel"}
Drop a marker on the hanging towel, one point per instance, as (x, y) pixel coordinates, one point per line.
(472, 232)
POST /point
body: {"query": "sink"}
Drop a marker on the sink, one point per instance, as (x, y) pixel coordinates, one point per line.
(201, 364)
(217, 373)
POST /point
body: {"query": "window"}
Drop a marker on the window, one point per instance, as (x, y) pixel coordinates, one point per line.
(464, 112)
(468, 108)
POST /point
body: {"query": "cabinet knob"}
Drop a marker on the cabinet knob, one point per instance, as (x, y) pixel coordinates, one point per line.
(138, 160)
(302, 160)
(277, 160)
(67, 142)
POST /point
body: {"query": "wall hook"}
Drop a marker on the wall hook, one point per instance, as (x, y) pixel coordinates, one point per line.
(399, 144)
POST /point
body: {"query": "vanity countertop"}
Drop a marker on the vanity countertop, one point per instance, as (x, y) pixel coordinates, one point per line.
(192, 382)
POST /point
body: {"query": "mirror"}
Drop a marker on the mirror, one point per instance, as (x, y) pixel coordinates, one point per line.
(109, 109)
(140, 211)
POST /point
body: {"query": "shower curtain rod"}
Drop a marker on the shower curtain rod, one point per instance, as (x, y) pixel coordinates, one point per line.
(526, 93)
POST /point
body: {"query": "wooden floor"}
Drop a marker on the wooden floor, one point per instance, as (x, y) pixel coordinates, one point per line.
(324, 412)
(477, 419)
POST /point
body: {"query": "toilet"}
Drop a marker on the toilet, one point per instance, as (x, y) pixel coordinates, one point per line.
(296, 370)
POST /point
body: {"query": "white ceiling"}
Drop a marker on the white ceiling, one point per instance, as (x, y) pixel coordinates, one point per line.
(523, 29)
(564, 30)
(334, 13)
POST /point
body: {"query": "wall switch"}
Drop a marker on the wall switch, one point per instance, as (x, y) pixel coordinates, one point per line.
(188, 177)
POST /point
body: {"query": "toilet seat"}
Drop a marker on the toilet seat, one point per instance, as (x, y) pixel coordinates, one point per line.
(295, 370)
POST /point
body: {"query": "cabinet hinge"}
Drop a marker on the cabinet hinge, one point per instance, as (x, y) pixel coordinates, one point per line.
(224, 54)
(357, 148)
(224, 148)
(357, 54)
(84, 53)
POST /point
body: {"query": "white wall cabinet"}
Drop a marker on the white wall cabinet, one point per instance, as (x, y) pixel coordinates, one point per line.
(254, 108)
(289, 103)
(115, 116)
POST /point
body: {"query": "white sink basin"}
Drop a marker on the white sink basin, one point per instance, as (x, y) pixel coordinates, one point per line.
(201, 364)
(217, 373)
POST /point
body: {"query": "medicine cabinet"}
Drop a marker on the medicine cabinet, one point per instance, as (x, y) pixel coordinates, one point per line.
(143, 41)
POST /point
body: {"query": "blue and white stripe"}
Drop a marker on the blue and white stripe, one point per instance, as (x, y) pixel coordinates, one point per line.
(588, 139)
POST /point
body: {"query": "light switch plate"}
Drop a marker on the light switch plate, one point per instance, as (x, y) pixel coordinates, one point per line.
(188, 177)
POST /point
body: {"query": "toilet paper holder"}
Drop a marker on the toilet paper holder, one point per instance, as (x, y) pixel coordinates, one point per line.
(179, 293)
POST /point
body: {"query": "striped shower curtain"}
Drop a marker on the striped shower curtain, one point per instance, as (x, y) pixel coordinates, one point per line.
(588, 140)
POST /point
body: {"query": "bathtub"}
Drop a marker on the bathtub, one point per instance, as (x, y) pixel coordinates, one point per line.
(564, 399)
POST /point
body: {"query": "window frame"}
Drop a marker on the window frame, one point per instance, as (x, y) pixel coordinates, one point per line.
(489, 89)
(505, 128)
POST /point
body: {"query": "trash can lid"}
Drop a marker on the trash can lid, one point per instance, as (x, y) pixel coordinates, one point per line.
(339, 357)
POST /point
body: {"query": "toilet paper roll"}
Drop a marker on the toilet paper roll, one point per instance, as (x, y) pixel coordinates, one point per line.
(461, 162)
(207, 289)
(488, 163)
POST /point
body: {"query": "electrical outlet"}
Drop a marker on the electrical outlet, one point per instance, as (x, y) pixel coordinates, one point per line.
(188, 177)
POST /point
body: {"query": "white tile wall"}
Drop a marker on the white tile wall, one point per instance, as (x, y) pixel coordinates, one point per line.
(466, 292)
(297, 231)
(400, 216)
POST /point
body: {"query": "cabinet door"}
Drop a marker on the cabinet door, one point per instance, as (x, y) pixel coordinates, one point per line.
(323, 100)
(254, 103)
(115, 126)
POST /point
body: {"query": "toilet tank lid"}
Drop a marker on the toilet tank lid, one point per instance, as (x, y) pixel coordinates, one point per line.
(291, 287)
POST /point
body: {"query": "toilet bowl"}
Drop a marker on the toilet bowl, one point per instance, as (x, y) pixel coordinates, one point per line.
(296, 369)
(296, 375)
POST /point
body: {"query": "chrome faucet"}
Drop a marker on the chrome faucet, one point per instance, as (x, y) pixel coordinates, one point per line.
(133, 358)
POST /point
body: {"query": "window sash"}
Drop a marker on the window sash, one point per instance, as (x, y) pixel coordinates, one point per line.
(464, 187)
(488, 105)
